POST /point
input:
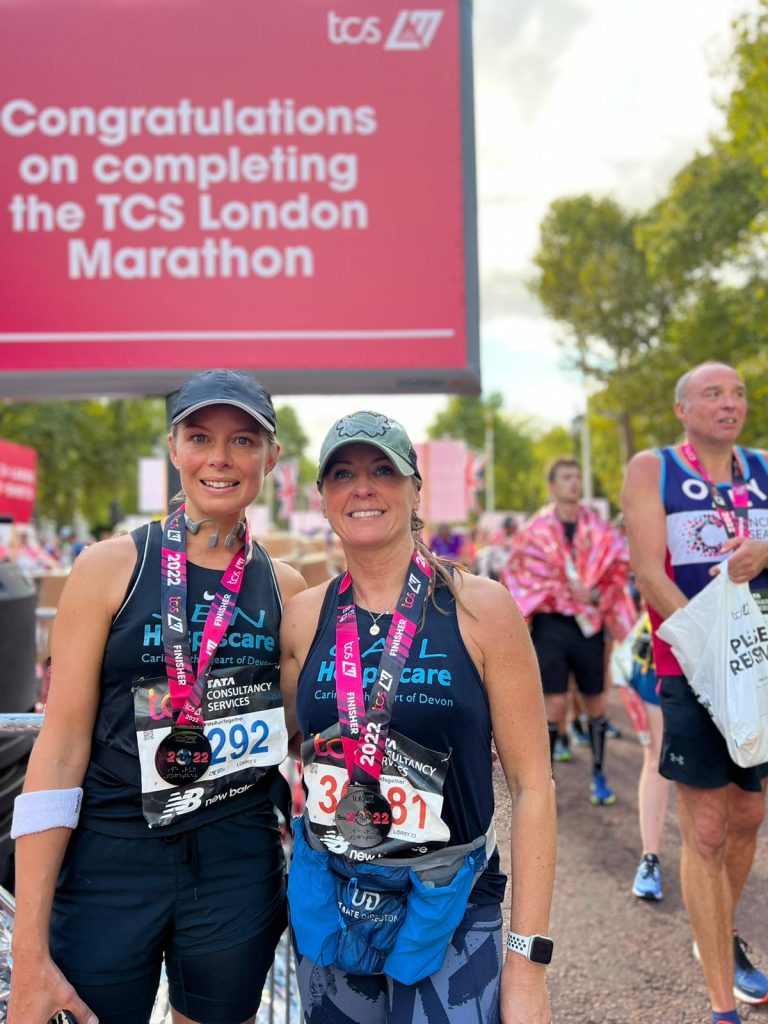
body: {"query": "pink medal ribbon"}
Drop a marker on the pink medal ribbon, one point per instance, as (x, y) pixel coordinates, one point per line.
(185, 687)
(736, 519)
(363, 815)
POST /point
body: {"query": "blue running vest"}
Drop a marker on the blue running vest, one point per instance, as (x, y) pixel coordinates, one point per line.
(441, 703)
(134, 649)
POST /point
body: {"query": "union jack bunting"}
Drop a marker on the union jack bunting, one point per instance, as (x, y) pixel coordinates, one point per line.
(286, 486)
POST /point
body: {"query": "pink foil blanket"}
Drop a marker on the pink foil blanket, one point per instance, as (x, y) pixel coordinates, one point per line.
(536, 570)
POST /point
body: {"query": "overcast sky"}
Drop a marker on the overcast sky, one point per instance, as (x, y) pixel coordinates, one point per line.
(603, 96)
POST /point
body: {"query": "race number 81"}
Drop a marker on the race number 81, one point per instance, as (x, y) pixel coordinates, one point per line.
(404, 805)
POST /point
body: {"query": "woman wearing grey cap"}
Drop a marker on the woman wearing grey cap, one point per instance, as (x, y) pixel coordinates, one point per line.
(146, 830)
(404, 671)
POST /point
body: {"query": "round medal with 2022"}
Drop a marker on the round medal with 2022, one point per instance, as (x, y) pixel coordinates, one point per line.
(184, 756)
(364, 817)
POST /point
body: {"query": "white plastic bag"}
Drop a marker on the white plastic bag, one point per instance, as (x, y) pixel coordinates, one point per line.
(720, 639)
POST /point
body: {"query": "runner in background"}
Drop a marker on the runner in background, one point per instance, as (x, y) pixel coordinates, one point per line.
(686, 508)
(176, 850)
(467, 676)
(446, 543)
(568, 572)
(500, 544)
(632, 665)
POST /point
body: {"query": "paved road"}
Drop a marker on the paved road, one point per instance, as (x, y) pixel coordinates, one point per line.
(619, 960)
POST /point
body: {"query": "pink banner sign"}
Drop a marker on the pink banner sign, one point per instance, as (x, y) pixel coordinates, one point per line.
(443, 469)
(18, 481)
(287, 187)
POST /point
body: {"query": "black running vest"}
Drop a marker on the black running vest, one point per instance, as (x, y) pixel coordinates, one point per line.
(441, 703)
(134, 650)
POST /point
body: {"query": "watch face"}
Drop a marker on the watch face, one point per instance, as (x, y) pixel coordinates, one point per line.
(541, 950)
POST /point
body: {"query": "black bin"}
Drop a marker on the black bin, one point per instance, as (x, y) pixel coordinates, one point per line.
(18, 680)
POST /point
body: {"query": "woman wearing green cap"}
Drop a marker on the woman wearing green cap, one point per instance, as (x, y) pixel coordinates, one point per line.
(146, 830)
(404, 671)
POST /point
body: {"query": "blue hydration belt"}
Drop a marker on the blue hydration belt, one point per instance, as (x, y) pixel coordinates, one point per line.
(392, 916)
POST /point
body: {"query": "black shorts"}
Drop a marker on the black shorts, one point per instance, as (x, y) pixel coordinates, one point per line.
(562, 648)
(693, 751)
(211, 900)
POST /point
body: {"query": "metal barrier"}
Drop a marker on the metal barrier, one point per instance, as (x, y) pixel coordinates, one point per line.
(13, 723)
(279, 1002)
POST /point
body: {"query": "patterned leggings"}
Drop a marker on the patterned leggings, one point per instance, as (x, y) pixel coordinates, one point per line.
(464, 991)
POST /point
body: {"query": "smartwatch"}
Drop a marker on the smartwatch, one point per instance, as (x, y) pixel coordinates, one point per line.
(536, 948)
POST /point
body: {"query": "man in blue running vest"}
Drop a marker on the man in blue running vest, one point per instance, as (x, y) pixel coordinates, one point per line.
(686, 508)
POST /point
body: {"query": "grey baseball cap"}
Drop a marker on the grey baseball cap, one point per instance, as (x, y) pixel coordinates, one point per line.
(372, 428)
(225, 387)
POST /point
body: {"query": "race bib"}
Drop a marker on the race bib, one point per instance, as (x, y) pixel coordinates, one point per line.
(245, 732)
(412, 780)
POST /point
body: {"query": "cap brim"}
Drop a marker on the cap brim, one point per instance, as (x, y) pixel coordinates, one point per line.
(403, 467)
(269, 427)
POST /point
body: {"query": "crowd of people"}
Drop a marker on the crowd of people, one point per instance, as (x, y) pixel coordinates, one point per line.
(24, 548)
(186, 664)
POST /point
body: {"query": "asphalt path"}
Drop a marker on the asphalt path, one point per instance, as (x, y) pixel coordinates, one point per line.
(619, 960)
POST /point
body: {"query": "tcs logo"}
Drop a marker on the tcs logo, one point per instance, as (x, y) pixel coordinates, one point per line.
(412, 30)
(329, 748)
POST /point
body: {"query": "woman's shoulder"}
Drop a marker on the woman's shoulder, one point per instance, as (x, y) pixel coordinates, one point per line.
(486, 609)
(106, 556)
(102, 570)
(481, 594)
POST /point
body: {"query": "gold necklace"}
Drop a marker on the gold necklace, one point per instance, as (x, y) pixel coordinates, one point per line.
(374, 629)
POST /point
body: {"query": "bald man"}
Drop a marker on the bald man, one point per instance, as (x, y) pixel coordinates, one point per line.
(686, 508)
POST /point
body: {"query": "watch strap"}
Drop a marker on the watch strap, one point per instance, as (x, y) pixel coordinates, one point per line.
(519, 943)
(523, 944)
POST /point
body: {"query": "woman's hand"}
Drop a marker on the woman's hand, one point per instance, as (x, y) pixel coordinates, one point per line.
(524, 995)
(39, 990)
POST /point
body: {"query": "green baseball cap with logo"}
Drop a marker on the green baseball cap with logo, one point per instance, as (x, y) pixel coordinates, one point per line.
(372, 428)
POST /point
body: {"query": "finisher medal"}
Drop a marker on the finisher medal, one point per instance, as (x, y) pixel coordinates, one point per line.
(364, 817)
(183, 757)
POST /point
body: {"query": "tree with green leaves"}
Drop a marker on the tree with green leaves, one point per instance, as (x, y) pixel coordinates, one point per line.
(643, 296)
(592, 278)
(707, 236)
(87, 453)
(292, 438)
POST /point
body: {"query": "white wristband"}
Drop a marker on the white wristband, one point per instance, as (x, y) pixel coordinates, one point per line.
(44, 809)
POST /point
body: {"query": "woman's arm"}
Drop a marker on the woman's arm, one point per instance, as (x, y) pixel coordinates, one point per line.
(59, 759)
(497, 639)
